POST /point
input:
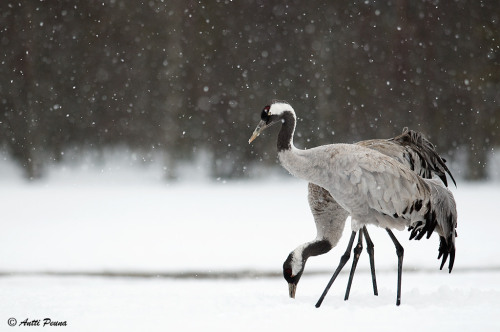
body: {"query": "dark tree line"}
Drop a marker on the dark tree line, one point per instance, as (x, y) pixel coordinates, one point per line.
(186, 77)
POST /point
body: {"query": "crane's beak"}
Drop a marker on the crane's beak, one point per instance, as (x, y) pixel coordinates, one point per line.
(291, 289)
(260, 128)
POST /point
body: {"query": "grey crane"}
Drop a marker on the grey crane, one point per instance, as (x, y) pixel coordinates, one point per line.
(377, 182)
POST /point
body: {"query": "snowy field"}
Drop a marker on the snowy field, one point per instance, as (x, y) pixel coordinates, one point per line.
(125, 251)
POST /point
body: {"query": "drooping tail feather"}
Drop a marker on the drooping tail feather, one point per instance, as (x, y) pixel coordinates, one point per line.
(446, 247)
(441, 216)
(427, 161)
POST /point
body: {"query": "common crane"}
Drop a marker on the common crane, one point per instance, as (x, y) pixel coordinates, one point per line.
(374, 184)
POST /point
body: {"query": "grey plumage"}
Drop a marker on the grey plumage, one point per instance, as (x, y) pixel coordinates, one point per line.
(383, 182)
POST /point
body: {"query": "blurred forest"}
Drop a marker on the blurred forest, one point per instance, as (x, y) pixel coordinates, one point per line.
(184, 78)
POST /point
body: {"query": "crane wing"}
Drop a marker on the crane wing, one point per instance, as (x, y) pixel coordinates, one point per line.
(373, 185)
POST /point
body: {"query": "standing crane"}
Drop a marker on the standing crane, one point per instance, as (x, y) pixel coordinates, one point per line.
(383, 182)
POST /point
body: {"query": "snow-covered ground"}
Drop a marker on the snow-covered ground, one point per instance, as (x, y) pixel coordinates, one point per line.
(81, 223)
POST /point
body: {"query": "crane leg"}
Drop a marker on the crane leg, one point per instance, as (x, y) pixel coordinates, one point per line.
(370, 250)
(358, 249)
(400, 252)
(343, 260)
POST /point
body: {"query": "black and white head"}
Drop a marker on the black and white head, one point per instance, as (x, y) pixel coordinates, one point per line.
(293, 267)
(270, 115)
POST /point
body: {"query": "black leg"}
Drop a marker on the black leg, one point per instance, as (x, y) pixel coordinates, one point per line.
(343, 260)
(357, 251)
(369, 248)
(400, 252)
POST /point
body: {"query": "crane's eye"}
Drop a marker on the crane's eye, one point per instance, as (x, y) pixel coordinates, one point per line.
(288, 272)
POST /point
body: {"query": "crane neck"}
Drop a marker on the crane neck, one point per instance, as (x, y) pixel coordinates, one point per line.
(285, 136)
(314, 248)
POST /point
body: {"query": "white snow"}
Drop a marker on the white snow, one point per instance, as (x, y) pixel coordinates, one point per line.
(79, 221)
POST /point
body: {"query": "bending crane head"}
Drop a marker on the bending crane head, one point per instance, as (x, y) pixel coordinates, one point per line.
(292, 271)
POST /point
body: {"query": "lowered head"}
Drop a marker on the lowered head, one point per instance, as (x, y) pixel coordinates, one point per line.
(270, 115)
(294, 265)
(292, 271)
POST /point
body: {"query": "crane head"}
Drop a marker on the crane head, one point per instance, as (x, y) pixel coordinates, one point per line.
(292, 271)
(270, 115)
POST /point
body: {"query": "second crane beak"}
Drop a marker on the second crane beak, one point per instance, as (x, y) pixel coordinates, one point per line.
(291, 290)
(260, 127)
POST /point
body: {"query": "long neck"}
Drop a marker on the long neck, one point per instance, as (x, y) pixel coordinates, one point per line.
(313, 248)
(285, 136)
(299, 163)
(300, 255)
